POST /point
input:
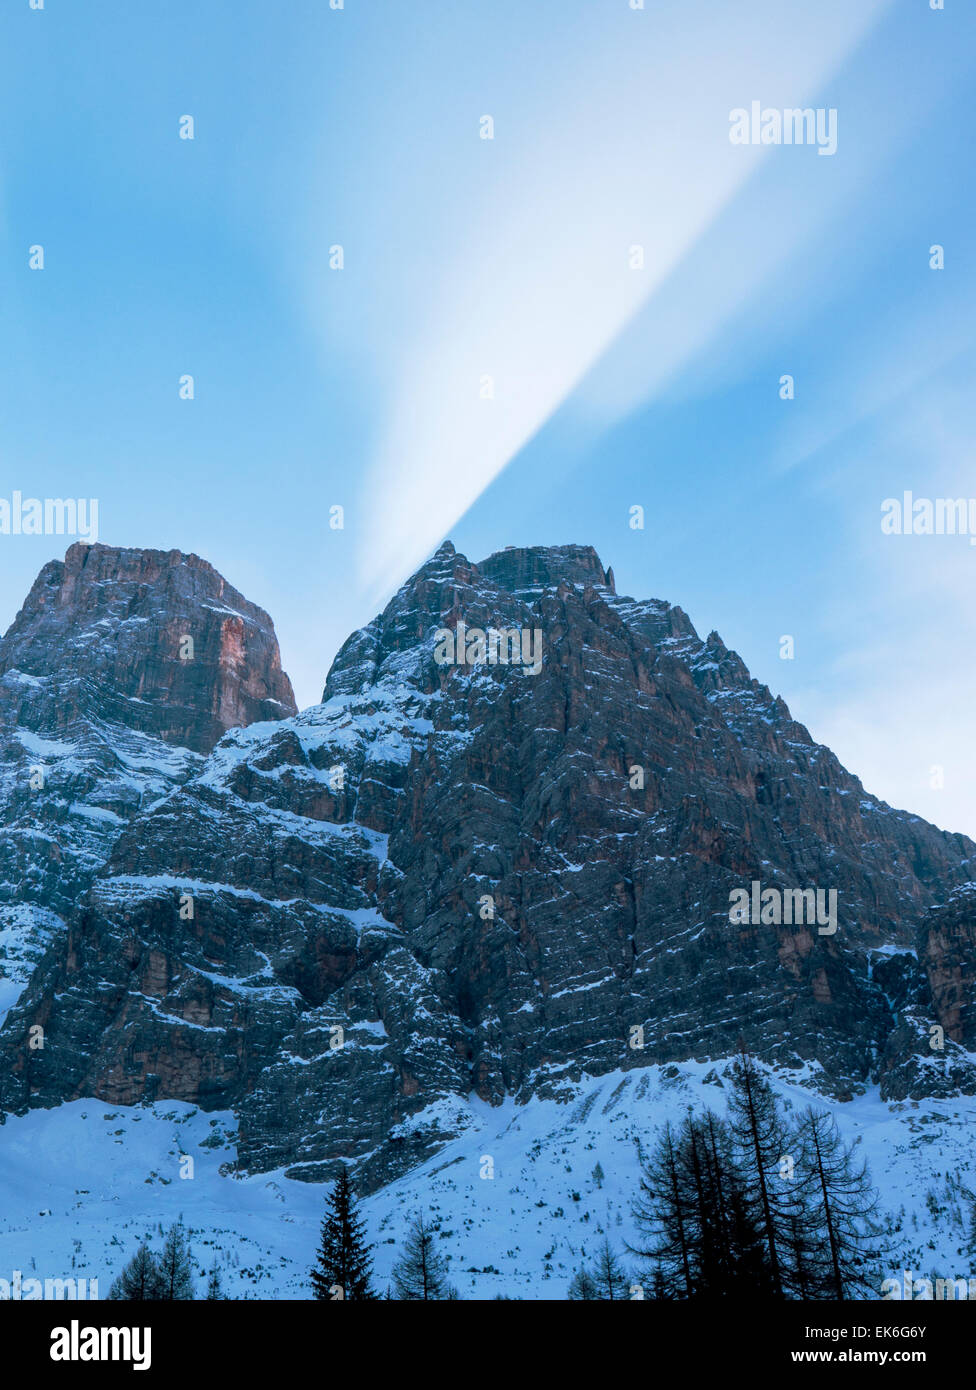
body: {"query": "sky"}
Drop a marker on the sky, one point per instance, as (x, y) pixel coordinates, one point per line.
(494, 362)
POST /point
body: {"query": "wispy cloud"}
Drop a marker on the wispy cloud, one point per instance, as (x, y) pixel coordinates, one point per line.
(542, 286)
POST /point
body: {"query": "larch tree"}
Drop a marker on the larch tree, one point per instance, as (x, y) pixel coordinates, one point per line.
(140, 1280)
(420, 1275)
(175, 1265)
(842, 1203)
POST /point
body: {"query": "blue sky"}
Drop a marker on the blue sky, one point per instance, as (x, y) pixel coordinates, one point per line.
(509, 258)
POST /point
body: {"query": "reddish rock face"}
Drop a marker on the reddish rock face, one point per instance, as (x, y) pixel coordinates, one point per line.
(451, 877)
(154, 640)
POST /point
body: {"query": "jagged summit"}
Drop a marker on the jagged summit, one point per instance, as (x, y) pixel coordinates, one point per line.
(449, 585)
(525, 569)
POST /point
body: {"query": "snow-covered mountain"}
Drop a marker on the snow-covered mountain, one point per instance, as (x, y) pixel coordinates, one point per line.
(455, 905)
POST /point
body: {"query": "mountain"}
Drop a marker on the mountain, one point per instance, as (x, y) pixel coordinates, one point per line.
(453, 878)
(122, 670)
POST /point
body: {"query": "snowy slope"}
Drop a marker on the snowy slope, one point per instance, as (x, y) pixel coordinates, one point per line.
(85, 1183)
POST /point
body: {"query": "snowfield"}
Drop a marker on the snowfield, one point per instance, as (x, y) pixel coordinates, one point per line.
(516, 1201)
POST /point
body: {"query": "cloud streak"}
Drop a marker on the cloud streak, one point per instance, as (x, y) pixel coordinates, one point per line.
(542, 287)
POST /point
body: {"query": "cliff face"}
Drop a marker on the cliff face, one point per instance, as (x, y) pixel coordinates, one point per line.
(122, 669)
(155, 641)
(457, 877)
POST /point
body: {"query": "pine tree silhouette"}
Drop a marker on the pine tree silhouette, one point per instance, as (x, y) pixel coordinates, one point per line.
(344, 1264)
(606, 1279)
(663, 1215)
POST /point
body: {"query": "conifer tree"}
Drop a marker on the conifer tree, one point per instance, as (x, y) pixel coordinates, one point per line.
(140, 1280)
(175, 1265)
(805, 1277)
(742, 1267)
(757, 1206)
(701, 1239)
(582, 1287)
(842, 1203)
(344, 1264)
(760, 1139)
(609, 1276)
(421, 1272)
(214, 1286)
(663, 1216)
(606, 1279)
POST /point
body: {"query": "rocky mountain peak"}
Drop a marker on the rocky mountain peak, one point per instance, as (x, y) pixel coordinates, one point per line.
(154, 640)
(449, 587)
